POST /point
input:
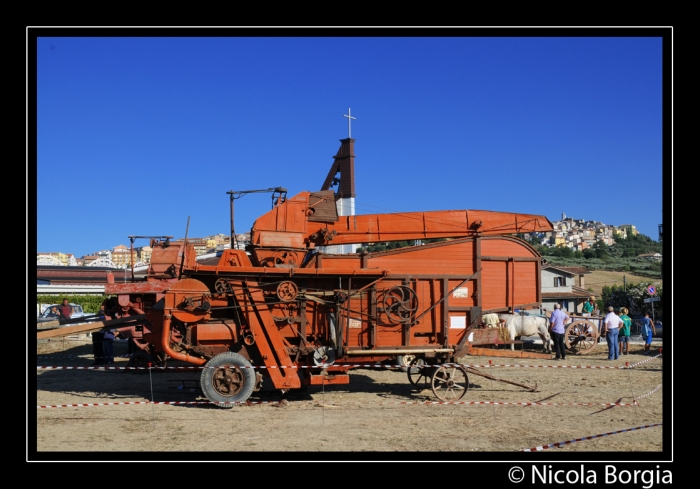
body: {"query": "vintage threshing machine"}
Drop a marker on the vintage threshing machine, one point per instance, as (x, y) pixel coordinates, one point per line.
(285, 310)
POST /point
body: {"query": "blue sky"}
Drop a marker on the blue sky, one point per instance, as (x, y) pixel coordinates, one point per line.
(136, 134)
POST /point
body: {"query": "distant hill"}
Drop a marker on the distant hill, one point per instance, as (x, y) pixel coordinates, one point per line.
(598, 279)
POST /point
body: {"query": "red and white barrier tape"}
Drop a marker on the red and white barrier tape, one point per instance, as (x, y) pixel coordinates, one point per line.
(426, 403)
(568, 442)
(647, 360)
(103, 367)
(648, 393)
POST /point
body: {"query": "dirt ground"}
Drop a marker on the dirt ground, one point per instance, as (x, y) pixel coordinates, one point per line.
(379, 411)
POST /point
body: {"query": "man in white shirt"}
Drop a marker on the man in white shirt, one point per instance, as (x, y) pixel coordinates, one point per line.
(612, 325)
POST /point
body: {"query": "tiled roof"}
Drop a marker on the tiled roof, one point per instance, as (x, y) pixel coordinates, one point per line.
(561, 269)
(566, 295)
(577, 270)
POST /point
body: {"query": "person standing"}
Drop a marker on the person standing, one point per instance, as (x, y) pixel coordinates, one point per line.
(612, 327)
(557, 330)
(625, 331)
(108, 346)
(65, 310)
(588, 306)
(648, 331)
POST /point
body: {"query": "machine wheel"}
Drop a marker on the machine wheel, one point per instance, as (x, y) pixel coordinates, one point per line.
(400, 304)
(287, 291)
(140, 360)
(403, 361)
(227, 379)
(418, 372)
(450, 382)
(581, 336)
(222, 286)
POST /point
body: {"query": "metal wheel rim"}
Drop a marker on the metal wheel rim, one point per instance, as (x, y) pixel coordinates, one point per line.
(227, 380)
(450, 382)
(287, 291)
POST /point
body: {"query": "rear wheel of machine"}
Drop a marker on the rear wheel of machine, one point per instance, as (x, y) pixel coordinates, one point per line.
(227, 379)
(140, 361)
(450, 382)
(418, 372)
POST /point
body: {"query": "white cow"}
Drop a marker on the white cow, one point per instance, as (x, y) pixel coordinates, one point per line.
(491, 320)
(528, 326)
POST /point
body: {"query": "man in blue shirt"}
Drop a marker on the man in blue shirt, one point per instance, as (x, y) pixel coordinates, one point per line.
(556, 325)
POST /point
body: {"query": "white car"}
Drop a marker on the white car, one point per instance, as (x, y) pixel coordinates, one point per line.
(658, 329)
(49, 315)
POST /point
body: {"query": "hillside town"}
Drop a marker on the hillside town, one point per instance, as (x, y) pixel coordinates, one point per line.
(577, 234)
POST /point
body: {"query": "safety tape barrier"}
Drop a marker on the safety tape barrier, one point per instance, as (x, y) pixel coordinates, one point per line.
(647, 360)
(390, 367)
(284, 402)
(648, 393)
(568, 442)
(74, 357)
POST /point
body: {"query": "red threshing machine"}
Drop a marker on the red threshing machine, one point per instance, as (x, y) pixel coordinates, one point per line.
(308, 317)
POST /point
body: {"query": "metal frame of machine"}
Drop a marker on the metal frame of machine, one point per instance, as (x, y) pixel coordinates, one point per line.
(309, 317)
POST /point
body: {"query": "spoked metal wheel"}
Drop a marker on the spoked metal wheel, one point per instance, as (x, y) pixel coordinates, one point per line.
(581, 336)
(418, 372)
(449, 382)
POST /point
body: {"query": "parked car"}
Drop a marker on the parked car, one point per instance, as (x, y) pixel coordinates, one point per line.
(49, 315)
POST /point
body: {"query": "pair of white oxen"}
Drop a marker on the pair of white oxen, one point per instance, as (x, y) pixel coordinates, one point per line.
(521, 326)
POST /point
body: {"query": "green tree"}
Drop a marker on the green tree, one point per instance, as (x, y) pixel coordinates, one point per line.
(601, 249)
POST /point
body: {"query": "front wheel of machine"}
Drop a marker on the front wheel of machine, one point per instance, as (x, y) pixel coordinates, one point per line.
(227, 379)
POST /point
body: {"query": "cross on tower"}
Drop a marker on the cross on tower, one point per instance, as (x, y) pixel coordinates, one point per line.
(349, 121)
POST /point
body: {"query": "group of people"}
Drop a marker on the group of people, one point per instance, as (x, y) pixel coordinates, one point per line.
(102, 341)
(617, 330)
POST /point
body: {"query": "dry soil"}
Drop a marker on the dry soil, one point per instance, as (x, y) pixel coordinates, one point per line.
(379, 411)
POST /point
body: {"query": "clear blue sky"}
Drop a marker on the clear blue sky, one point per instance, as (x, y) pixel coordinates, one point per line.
(135, 134)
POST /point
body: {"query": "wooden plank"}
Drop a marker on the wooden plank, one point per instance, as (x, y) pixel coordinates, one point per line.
(487, 336)
(488, 352)
(48, 325)
(87, 328)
